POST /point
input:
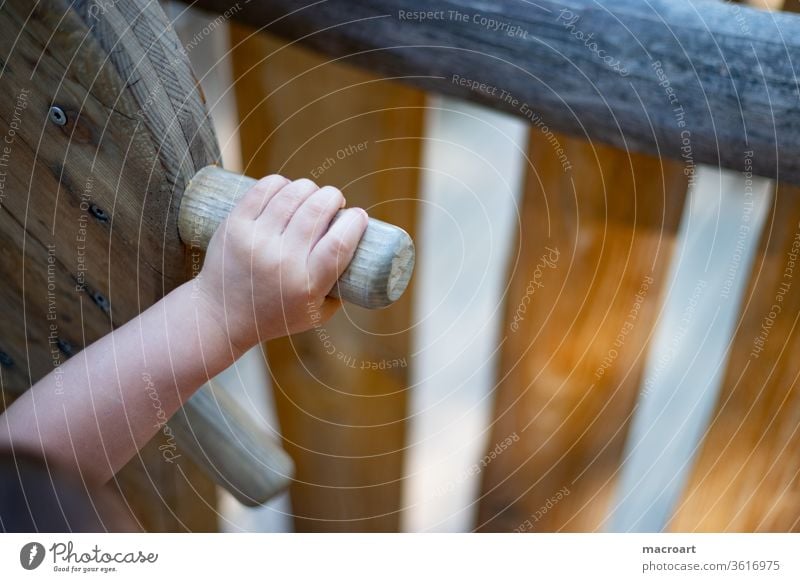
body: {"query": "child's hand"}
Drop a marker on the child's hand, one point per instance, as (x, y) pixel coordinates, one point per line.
(271, 264)
(268, 270)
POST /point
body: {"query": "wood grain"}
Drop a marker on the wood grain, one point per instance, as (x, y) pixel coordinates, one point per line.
(340, 390)
(591, 258)
(747, 475)
(87, 214)
(599, 70)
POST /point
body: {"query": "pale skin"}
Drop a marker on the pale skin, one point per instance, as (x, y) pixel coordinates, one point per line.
(268, 271)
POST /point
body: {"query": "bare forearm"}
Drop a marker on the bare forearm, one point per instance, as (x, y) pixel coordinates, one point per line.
(100, 407)
(279, 251)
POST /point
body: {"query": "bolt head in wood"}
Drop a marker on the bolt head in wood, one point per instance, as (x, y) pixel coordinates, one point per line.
(57, 115)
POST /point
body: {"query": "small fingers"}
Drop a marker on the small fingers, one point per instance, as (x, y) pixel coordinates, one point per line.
(312, 219)
(334, 251)
(252, 204)
(284, 204)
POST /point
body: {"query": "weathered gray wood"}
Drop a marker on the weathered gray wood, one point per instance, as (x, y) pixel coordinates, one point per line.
(146, 52)
(696, 80)
(220, 437)
(376, 277)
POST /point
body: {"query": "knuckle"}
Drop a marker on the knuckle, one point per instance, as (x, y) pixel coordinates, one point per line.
(239, 233)
(333, 191)
(334, 196)
(304, 184)
(289, 199)
(286, 213)
(240, 238)
(317, 206)
(252, 198)
(334, 247)
(277, 178)
(273, 180)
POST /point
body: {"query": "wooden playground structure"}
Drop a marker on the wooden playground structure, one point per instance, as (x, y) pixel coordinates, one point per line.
(107, 130)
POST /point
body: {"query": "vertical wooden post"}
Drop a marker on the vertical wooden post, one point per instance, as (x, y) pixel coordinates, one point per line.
(747, 476)
(340, 390)
(585, 287)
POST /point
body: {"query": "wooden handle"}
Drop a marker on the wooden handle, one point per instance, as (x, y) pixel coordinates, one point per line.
(376, 277)
(241, 457)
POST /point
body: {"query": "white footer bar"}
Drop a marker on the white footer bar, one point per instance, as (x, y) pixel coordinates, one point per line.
(356, 557)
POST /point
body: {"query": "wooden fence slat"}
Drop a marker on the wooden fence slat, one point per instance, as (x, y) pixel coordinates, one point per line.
(343, 425)
(570, 368)
(747, 475)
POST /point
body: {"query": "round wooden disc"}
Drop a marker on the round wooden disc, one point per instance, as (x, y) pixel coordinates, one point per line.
(101, 127)
(88, 207)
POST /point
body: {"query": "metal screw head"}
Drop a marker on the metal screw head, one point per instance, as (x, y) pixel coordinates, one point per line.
(5, 360)
(65, 347)
(101, 301)
(98, 213)
(57, 115)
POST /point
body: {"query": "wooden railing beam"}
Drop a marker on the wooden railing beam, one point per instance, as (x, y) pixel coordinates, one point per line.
(700, 81)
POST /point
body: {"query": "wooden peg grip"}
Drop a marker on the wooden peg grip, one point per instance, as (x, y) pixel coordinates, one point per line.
(241, 457)
(376, 277)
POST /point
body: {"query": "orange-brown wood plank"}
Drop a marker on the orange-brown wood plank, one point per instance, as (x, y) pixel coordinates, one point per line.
(585, 290)
(341, 390)
(747, 475)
